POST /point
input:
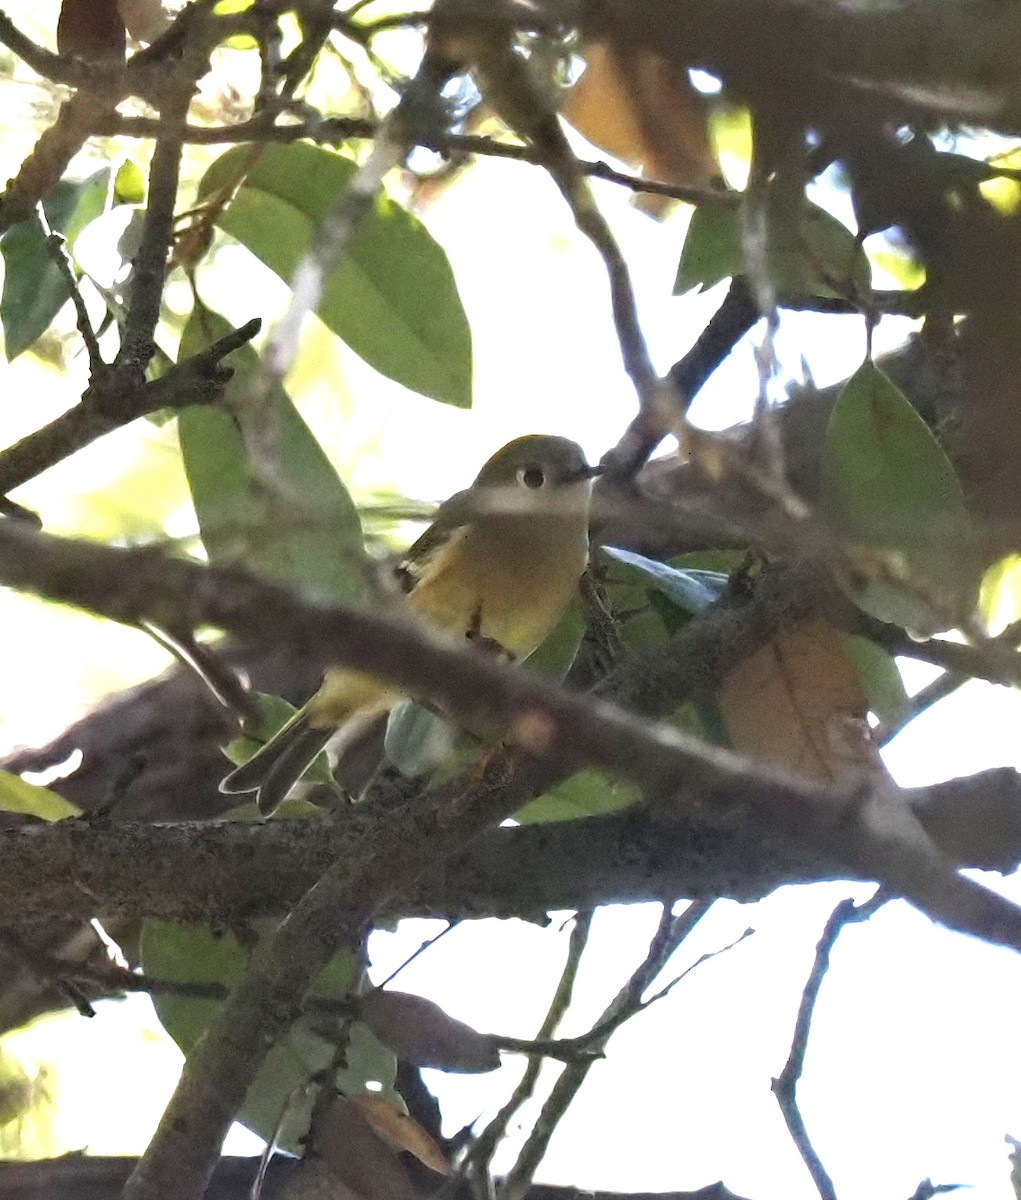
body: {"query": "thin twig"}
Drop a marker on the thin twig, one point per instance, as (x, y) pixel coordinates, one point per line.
(476, 1164)
(47, 970)
(221, 681)
(150, 263)
(671, 932)
(56, 247)
(108, 406)
(786, 1083)
(449, 927)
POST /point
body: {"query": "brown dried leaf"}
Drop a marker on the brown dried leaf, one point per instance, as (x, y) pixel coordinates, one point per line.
(642, 109)
(145, 19)
(797, 703)
(402, 1132)
(358, 1158)
(421, 1033)
(91, 29)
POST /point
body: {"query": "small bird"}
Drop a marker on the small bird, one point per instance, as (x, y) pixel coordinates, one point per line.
(498, 566)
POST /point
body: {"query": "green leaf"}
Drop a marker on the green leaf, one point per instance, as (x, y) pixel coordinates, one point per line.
(392, 299)
(892, 494)
(34, 288)
(194, 954)
(17, 796)
(711, 250)
(588, 793)
(809, 254)
(301, 528)
(689, 588)
(128, 184)
(881, 679)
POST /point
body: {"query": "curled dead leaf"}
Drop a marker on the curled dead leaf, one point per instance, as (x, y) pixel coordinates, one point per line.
(401, 1132)
(421, 1033)
(642, 109)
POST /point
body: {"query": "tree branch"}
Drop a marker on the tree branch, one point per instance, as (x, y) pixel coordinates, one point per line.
(113, 401)
(237, 871)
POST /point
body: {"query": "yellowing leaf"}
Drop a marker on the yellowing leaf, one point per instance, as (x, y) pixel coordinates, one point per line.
(641, 108)
(797, 704)
(17, 796)
(401, 1132)
(1000, 595)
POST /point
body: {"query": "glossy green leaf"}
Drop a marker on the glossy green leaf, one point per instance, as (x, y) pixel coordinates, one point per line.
(892, 494)
(392, 299)
(588, 793)
(17, 796)
(128, 184)
(34, 288)
(881, 679)
(194, 954)
(815, 255)
(300, 528)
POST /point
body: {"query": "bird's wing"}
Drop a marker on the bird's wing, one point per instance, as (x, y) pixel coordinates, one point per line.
(452, 515)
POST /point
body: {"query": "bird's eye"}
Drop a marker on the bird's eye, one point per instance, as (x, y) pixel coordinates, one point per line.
(531, 476)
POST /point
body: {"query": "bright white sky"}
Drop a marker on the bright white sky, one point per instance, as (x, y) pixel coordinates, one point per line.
(913, 1062)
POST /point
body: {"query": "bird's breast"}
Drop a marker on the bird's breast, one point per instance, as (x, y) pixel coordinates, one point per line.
(507, 582)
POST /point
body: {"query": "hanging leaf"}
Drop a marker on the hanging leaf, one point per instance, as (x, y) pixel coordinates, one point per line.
(421, 1033)
(145, 19)
(357, 1157)
(128, 184)
(303, 529)
(17, 796)
(194, 954)
(642, 109)
(91, 29)
(892, 494)
(809, 253)
(35, 290)
(392, 299)
(797, 704)
(401, 1132)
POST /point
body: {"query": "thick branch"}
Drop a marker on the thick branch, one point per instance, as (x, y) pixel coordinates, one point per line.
(233, 871)
(558, 729)
(862, 832)
(80, 1177)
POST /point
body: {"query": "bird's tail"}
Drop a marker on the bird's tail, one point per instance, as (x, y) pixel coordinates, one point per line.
(277, 766)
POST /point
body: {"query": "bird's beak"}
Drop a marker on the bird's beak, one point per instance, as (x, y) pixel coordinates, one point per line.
(588, 472)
